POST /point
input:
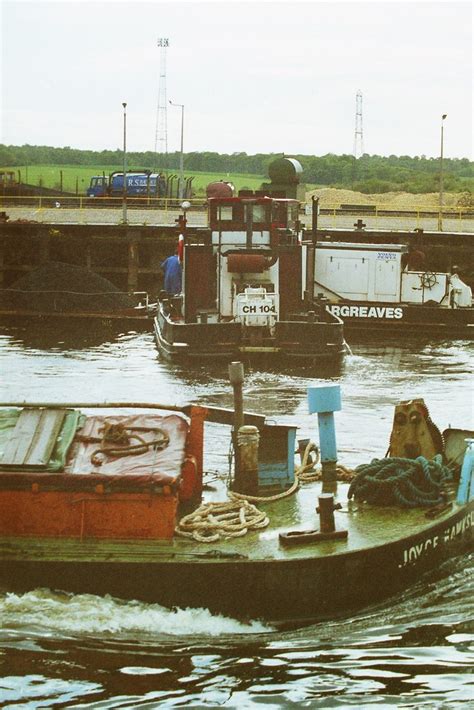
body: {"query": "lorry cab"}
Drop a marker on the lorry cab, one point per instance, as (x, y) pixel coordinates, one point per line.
(99, 186)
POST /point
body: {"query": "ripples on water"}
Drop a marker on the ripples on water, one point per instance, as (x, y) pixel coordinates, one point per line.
(59, 650)
(86, 651)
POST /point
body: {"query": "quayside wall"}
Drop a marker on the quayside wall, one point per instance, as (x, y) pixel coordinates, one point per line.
(130, 255)
(127, 255)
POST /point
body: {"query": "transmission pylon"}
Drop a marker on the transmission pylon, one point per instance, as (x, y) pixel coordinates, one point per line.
(161, 129)
(358, 134)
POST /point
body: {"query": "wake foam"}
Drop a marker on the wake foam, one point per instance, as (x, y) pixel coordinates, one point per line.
(90, 614)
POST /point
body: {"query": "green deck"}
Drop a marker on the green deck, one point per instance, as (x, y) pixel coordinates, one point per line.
(368, 527)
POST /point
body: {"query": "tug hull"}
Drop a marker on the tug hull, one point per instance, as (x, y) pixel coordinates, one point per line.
(299, 340)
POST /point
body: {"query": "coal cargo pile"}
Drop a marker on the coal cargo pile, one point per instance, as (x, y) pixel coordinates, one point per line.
(64, 288)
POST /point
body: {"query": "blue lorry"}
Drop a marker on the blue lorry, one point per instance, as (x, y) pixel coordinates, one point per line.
(139, 184)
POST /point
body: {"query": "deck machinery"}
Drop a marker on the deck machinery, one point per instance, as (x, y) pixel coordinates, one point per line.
(375, 288)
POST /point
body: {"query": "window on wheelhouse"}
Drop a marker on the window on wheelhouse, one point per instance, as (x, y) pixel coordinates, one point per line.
(260, 213)
(225, 213)
(293, 215)
(279, 214)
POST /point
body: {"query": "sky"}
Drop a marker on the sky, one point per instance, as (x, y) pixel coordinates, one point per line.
(256, 77)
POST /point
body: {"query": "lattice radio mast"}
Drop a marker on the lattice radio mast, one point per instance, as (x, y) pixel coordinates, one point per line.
(358, 134)
(161, 130)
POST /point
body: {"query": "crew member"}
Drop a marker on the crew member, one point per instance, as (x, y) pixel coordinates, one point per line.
(172, 271)
(414, 259)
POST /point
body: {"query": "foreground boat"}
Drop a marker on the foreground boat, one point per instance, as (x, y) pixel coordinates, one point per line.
(243, 290)
(115, 504)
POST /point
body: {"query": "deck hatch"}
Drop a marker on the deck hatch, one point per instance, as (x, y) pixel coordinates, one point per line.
(33, 438)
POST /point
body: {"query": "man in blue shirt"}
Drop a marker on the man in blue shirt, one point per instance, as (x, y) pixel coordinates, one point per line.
(173, 272)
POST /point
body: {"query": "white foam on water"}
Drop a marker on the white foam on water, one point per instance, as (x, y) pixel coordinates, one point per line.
(90, 614)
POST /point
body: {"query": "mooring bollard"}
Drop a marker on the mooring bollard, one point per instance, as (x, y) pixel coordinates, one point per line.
(326, 509)
(325, 401)
(247, 443)
(327, 525)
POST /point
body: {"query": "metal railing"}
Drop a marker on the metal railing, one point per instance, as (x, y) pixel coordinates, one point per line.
(84, 202)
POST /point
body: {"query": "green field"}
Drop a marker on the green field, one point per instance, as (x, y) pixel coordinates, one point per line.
(76, 179)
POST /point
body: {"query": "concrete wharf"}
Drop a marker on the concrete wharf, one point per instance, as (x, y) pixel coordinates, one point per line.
(129, 255)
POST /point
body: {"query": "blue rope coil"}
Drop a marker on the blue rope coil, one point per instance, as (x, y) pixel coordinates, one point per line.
(409, 483)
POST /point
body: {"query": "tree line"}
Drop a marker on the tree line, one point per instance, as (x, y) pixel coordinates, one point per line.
(369, 173)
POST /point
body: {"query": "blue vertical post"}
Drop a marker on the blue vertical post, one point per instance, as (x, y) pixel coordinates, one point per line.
(325, 401)
(466, 483)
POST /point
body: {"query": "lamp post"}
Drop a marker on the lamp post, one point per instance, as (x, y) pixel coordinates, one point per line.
(124, 186)
(440, 216)
(181, 156)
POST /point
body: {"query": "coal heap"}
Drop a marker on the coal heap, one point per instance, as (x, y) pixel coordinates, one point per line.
(55, 286)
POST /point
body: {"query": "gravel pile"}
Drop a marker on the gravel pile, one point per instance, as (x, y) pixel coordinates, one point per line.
(62, 287)
(332, 197)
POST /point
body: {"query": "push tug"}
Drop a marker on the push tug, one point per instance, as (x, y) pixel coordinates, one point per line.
(242, 293)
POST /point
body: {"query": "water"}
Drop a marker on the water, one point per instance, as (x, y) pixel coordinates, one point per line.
(81, 651)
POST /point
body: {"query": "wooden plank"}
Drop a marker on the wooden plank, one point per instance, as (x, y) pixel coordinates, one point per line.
(45, 437)
(219, 415)
(32, 441)
(18, 441)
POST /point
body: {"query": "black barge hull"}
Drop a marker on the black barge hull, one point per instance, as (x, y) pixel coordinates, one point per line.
(79, 318)
(402, 319)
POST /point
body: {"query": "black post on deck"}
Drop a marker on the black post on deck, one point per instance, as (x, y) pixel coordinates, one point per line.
(326, 510)
(236, 377)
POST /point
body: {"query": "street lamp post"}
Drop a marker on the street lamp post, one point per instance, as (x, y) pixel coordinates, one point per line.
(124, 186)
(181, 156)
(440, 216)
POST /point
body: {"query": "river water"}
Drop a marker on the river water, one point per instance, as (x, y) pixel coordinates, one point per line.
(81, 651)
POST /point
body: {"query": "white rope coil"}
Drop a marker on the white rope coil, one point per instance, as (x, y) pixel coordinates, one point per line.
(214, 521)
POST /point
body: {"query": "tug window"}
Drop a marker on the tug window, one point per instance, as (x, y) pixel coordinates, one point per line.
(279, 216)
(293, 216)
(225, 213)
(259, 213)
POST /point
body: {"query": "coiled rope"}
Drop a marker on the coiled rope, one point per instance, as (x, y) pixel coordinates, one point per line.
(305, 473)
(116, 442)
(408, 483)
(213, 521)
